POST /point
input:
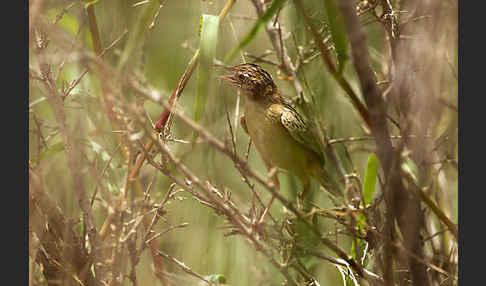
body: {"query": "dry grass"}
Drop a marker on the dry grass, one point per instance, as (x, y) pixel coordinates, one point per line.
(127, 189)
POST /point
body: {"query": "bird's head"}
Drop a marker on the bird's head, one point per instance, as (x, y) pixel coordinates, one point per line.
(251, 79)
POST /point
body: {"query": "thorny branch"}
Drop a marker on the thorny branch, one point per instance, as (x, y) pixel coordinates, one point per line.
(219, 145)
(211, 196)
(54, 98)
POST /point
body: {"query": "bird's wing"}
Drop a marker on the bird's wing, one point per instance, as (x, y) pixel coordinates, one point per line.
(304, 132)
(300, 129)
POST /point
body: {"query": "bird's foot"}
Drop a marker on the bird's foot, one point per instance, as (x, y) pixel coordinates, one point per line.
(259, 226)
(300, 201)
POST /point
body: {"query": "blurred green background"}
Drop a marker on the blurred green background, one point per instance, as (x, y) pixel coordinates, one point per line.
(161, 55)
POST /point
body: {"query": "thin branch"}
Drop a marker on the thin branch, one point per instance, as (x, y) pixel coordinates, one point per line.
(273, 30)
(434, 207)
(220, 203)
(244, 166)
(98, 180)
(166, 231)
(164, 116)
(367, 138)
(156, 15)
(184, 267)
(260, 59)
(58, 223)
(342, 262)
(54, 98)
(358, 105)
(63, 11)
(85, 71)
(93, 27)
(245, 178)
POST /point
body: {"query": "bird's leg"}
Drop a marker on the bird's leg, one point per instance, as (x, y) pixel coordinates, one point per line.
(300, 196)
(300, 201)
(243, 123)
(273, 176)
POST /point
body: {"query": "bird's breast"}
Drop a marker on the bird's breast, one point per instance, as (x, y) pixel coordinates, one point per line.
(272, 141)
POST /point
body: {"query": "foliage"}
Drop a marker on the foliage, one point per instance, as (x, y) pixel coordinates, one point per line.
(122, 193)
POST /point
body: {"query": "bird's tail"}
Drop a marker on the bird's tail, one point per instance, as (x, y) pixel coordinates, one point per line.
(329, 183)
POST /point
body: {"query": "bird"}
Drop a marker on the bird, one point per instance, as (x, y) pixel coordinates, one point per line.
(283, 138)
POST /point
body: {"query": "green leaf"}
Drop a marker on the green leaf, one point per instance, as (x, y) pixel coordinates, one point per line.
(370, 178)
(303, 234)
(368, 191)
(216, 278)
(347, 275)
(338, 32)
(276, 4)
(408, 166)
(207, 47)
(199, 29)
(354, 248)
(67, 22)
(86, 5)
(309, 262)
(54, 149)
(98, 149)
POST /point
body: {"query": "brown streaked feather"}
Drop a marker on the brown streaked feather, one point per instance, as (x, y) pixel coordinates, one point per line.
(300, 130)
(282, 136)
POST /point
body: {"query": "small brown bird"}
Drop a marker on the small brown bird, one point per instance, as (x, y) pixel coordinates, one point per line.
(282, 137)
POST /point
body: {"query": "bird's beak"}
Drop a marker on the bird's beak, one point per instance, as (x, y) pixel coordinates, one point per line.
(230, 78)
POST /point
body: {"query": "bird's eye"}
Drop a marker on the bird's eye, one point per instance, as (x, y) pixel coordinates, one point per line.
(242, 76)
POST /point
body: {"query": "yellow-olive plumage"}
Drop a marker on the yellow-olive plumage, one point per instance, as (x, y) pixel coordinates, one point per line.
(280, 134)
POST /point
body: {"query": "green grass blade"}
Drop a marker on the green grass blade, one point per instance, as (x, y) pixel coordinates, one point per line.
(370, 178)
(53, 150)
(133, 38)
(368, 191)
(37, 101)
(338, 33)
(276, 4)
(207, 47)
